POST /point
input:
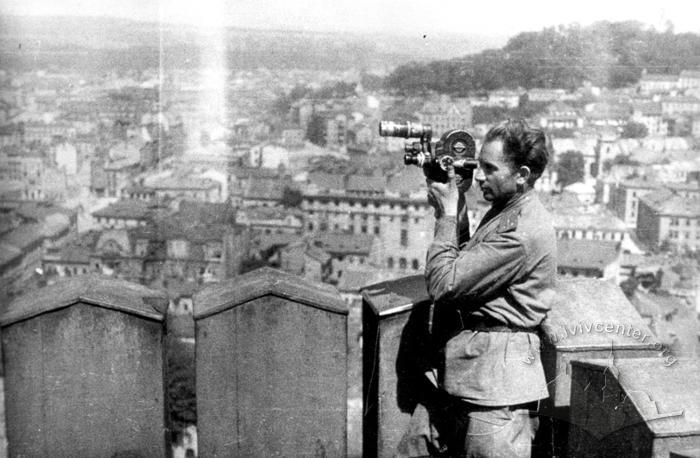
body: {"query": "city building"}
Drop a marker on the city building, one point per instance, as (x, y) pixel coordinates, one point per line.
(680, 105)
(128, 213)
(257, 187)
(651, 115)
(401, 222)
(589, 258)
(559, 115)
(446, 114)
(545, 95)
(307, 260)
(689, 79)
(668, 219)
(271, 220)
(604, 114)
(503, 98)
(624, 199)
(651, 83)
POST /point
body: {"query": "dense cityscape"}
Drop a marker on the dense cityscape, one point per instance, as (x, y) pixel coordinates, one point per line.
(180, 179)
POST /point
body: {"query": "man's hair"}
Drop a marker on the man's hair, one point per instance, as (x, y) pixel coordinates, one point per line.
(522, 146)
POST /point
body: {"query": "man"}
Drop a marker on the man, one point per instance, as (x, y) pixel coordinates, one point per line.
(491, 291)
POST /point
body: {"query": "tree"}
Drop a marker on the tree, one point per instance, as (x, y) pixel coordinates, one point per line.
(291, 197)
(316, 130)
(570, 168)
(634, 130)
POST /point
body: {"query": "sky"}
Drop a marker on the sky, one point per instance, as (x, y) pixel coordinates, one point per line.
(453, 17)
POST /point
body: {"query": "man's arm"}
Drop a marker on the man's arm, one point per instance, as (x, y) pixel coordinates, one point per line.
(462, 221)
(476, 273)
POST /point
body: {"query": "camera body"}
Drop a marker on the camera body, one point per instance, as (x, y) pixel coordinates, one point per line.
(454, 147)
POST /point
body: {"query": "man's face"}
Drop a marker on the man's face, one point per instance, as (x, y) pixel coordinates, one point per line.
(495, 175)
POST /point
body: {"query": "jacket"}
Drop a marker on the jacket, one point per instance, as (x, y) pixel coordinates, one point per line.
(504, 274)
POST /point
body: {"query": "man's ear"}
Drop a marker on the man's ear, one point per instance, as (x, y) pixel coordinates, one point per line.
(523, 175)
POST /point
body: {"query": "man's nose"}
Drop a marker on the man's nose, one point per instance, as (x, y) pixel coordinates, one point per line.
(479, 174)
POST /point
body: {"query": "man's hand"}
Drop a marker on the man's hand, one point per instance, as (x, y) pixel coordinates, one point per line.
(444, 197)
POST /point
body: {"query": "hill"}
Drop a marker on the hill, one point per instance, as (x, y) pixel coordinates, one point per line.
(605, 54)
(107, 44)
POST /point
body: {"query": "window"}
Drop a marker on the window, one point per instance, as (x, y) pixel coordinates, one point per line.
(402, 263)
(674, 221)
(364, 229)
(376, 230)
(415, 264)
(404, 237)
(390, 263)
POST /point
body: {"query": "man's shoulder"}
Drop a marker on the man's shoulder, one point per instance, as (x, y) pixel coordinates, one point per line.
(530, 218)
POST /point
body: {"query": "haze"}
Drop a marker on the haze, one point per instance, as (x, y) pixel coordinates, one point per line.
(441, 18)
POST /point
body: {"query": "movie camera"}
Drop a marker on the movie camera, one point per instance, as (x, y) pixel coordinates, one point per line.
(455, 147)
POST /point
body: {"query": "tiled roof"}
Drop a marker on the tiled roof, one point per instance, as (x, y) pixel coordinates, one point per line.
(129, 209)
(659, 77)
(602, 219)
(640, 183)
(8, 253)
(317, 253)
(667, 203)
(38, 211)
(264, 189)
(680, 99)
(269, 213)
(690, 74)
(24, 236)
(253, 173)
(184, 183)
(327, 181)
(266, 241)
(591, 254)
(406, 181)
(648, 108)
(207, 212)
(70, 254)
(344, 244)
(366, 183)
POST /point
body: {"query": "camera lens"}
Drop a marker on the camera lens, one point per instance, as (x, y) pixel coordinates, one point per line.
(405, 130)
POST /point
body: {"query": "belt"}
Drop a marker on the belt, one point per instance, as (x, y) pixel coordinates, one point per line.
(491, 325)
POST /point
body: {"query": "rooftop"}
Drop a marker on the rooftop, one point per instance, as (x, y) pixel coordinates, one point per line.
(602, 220)
(338, 243)
(586, 254)
(130, 209)
(667, 203)
(24, 236)
(659, 77)
(361, 183)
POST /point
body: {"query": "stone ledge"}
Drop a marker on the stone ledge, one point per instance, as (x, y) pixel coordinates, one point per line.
(100, 291)
(266, 282)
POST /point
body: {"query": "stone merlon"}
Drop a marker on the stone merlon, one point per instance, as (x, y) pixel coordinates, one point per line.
(266, 282)
(97, 290)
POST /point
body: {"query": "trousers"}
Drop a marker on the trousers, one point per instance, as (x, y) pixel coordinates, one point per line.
(493, 432)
